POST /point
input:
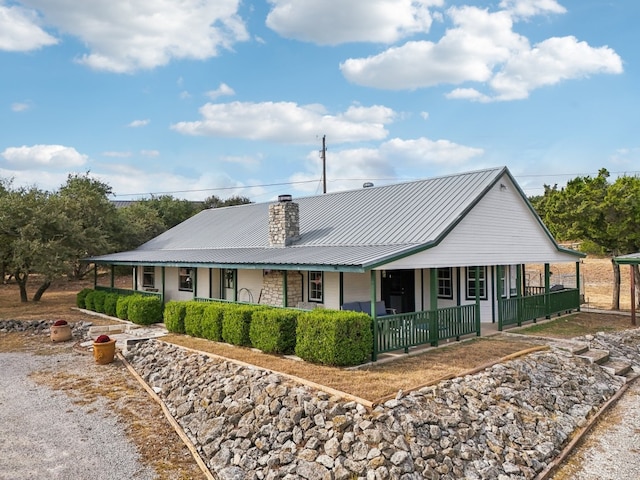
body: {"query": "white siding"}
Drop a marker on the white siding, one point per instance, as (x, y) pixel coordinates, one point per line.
(356, 287)
(202, 274)
(331, 290)
(171, 287)
(499, 230)
(249, 285)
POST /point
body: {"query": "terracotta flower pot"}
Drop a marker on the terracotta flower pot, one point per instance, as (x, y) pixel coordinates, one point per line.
(60, 333)
(104, 353)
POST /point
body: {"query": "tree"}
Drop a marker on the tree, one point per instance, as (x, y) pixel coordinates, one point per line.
(171, 210)
(140, 223)
(215, 202)
(93, 225)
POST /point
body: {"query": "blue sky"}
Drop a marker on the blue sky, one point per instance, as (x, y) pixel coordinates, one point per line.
(222, 97)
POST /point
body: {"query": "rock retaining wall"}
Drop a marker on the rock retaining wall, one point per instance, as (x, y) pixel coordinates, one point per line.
(507, 422)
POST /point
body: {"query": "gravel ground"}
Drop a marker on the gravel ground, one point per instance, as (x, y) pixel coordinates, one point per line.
(44, 435)
(611, 450)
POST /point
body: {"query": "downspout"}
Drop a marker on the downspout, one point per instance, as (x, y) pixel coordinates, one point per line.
(284, 288)
(195, 283)
(341, 288)
(135, 278)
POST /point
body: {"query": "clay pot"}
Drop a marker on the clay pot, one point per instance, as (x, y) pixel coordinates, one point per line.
(103, 353)
(60, 333)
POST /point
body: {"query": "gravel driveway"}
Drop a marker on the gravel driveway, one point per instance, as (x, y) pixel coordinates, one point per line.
(44, 435)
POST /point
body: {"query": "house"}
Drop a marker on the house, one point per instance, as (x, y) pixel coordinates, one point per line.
(456, 244)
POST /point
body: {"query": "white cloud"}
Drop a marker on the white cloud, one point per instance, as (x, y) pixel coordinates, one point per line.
(150, 153)
(529, 8)
(25, 158)
(288, 122)
(394, 159)
(424, 115)
(20, 106)
(482, 47)
(20, 30)
(331, 22)
(222, 90)
(245, 161)
(124, 36)
(139, 123)
(115, 154)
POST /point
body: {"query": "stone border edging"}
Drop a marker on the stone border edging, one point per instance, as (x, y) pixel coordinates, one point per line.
(302, 381)
(473, 371)
(176, 426)
(578, 437)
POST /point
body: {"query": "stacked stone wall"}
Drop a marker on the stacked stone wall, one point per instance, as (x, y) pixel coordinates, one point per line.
(273, 288)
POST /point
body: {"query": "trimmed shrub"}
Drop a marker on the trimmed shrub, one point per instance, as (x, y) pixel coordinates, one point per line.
(174, 312)
(110, 304)
(332, 337)
(122, 307)
(212, 321)
(274, 330)
(88, 301)
(193, 318)
(98, 300)
(145, 310)
(235, 324)
(81, 296)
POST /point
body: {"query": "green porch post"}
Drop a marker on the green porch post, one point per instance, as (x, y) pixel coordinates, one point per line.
(195, 283)
(285, 286)
(519, 276)
(374, 290)
(477, 283)
(434, 333)
(547, 289)
(578, 282)
(500, 287)
(95, 275)
(135, 278)
(163, 282)
(113, 276)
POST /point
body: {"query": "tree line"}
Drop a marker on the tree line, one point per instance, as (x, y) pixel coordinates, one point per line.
(45, 235)
(603, 215)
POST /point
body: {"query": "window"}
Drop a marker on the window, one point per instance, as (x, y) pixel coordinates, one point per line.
(503, 281)
(315, 286)
(514, 280)
(445, 283)
(229, 279)
(471, 283)
(148, 277)
(185, 279)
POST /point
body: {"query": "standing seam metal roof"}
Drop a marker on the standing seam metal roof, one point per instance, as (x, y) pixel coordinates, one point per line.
(391, 218)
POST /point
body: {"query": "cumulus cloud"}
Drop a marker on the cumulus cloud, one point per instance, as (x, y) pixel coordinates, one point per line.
(20, 30)
(222, 90)
(393, 159)
(26, 158)
(150, 153)
(124, 36)
(288, 122)
(332, 22)
(139, 123)
(20, 106)
(482, 47)
(115, 154)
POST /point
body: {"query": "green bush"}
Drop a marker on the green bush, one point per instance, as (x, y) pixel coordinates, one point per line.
(174, 312)
(332, 337)
(145, 310)
(235, 324)
(98, 300)
(212, 321)
(193, 318)
(110, 304)
(81, 296)
(122, 307)
(88, 300)
(274, 330)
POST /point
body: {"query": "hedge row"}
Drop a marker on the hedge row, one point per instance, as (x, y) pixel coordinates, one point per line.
(140, 309)
(328, 337)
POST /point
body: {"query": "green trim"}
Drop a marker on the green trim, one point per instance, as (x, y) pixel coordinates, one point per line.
(285, 288)
(372, 291)
(113, 276)
(163, 282)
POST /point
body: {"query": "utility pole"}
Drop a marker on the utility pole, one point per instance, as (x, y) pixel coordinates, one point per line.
(324, 164)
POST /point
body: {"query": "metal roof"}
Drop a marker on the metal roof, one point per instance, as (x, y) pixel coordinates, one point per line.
(353, 228)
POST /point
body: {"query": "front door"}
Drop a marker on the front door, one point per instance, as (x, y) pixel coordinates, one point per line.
(398, 290)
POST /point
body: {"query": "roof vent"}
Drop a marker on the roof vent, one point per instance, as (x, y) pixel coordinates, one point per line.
(367, 185)
(284, 198)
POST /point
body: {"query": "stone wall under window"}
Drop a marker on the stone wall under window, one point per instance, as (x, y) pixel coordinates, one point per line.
(272, 288)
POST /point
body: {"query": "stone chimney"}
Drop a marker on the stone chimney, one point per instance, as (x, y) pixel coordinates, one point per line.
(284, 222)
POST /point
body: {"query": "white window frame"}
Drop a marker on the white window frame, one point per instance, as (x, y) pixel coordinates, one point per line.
(149, 272)
(316, 286)
(185, 279)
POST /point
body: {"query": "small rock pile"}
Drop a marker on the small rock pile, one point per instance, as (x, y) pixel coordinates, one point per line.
(79, 330)
(507, 422)
(624, 345)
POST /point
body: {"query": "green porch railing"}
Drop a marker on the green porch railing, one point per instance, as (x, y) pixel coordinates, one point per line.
(514, 311)
(127, 291)
(405, 330)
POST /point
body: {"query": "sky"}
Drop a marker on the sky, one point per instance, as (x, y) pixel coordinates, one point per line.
(195, 98)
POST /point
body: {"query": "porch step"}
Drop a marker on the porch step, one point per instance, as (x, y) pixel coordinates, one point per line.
(595, 356)
(575, 348)
(616, 367)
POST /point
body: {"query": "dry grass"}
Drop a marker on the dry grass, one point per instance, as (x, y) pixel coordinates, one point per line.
(583, 323)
